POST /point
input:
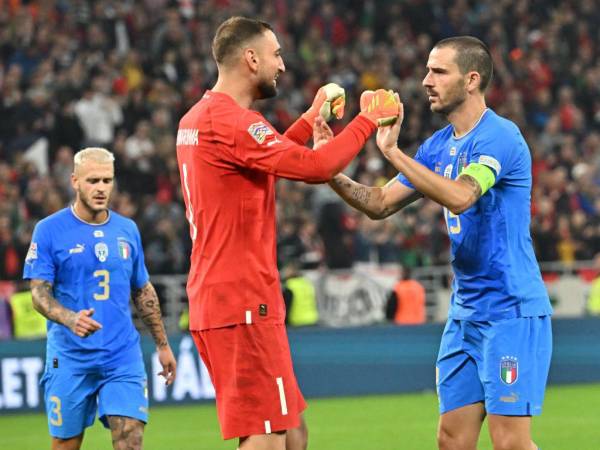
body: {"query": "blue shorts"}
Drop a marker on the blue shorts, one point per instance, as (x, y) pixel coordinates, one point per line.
(72, 399)
(503, 363)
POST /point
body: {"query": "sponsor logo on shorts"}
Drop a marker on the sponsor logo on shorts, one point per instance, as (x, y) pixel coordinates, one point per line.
(512, 398)
(509, 369)
(262, 309)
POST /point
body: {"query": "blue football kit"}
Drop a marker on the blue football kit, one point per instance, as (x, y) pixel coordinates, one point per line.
(91, 266)
(497, 343)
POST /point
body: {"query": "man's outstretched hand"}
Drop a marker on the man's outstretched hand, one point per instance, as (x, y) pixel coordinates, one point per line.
(329, 102)
(381, 107)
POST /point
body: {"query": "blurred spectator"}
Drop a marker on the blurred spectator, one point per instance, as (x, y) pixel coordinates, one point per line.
(27, 322)
(120, 74)
(593, 303)
(299, 295)
(406, 303)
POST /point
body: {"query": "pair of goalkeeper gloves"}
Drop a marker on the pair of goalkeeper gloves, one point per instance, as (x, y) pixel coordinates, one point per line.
(381, 107)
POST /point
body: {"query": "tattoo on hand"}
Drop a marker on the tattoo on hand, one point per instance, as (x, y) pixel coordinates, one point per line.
(147, 304)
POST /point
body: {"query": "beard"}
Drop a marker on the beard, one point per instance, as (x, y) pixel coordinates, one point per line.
(454, 98)
(266, 89)
(87, 204)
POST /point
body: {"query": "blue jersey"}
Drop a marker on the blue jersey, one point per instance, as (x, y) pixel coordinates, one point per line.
(496, 275)
(90, 266)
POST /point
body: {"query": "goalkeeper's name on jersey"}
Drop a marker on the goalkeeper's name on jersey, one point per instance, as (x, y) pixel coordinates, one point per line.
(187, 136)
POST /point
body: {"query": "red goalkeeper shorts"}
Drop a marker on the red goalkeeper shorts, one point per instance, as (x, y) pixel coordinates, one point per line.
(251, 369)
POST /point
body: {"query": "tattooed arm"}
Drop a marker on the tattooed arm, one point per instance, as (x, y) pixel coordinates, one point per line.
(456, 195)
(80, 323)
(375, 202)
(148, 307)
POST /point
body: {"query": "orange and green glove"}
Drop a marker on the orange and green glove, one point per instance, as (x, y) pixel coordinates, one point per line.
(329, 102)
(380, 107)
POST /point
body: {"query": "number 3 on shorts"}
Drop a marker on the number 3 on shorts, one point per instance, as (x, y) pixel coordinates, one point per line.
(55, 411)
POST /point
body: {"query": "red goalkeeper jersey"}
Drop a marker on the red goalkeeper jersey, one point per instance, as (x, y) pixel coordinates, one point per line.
(229, 158)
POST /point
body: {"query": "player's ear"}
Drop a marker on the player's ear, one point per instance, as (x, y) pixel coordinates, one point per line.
(473, 80)
(251, 58)
(74, 181)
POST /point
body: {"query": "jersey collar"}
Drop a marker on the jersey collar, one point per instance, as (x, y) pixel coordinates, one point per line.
(89, 223)
(472, 128)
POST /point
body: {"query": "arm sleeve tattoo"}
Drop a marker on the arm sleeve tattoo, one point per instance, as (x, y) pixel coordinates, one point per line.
(354, 194)
(148, 307)
(45, 303)
(472, 182)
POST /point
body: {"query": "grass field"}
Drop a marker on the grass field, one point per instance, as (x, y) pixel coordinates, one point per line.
(571, 421)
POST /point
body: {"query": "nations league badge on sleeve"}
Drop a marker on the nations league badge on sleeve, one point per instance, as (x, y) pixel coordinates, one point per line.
(31, 253)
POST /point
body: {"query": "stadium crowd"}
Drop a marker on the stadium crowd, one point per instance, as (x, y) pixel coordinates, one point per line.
(119, 74)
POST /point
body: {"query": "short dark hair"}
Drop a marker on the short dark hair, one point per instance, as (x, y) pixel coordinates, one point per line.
(471, 54)
(233, 34)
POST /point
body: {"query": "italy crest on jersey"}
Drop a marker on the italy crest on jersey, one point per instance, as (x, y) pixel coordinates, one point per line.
(509, 369)
(259, 131)
(101, 251)
(124, 249)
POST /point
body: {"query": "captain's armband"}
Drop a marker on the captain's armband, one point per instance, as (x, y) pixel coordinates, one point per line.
(482, 174)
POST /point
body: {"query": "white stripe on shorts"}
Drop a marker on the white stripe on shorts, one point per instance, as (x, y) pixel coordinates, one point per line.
(282, 400)
(267, 426)
(248, 317)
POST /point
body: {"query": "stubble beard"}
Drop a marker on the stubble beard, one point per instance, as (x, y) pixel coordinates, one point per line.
(93, 210)
(456, 97)
(266, 89)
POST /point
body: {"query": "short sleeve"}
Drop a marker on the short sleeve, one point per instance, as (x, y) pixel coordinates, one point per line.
(493, 149)
(421, 157)
(39, 262)
(139, 275)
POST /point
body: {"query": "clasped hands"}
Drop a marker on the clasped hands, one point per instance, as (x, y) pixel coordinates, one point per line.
(382, 107)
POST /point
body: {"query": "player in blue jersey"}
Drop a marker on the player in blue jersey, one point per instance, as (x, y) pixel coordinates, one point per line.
(495, 351)
(85, 262)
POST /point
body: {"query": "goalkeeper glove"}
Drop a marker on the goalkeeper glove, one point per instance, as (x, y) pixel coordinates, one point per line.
(329, 102)
(380, 107)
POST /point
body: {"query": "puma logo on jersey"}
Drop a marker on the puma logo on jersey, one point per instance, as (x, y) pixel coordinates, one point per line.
(274, 141)
(79, 248)
(187, 136)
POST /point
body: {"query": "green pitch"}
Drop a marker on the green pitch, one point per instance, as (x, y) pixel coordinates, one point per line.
(399, 422)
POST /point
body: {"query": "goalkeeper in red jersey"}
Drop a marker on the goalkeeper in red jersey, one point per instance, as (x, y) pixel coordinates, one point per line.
(229, 157)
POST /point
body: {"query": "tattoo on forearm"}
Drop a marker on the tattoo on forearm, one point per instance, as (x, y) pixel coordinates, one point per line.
(147, 304)
(48, 306)
(474, 184)
(358, 195)
(127, 433)
(361, 195)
